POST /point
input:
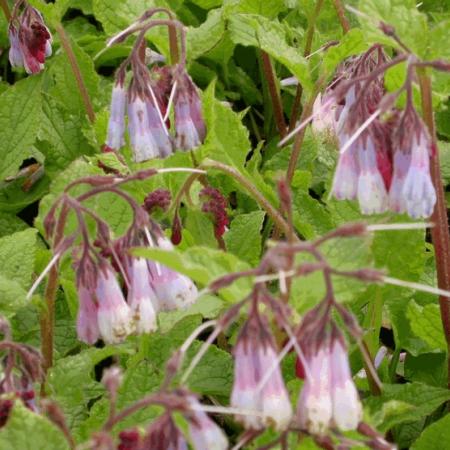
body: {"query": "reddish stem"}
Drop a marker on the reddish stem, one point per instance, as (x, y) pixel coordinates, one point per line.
(439, 233)
(345, 24)
(274, 93)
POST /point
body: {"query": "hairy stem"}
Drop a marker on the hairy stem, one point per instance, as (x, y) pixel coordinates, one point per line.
(307, 50)
(274, 92)
(6, 10)
(65, 42)
(307, 110)
(345, 24)
(47, 319)
(439, 233)
(261, 200)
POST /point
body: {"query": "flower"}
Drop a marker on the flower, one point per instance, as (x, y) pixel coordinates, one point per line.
(30, 41)
(173, 290)
(129, 440)
(141, 298)
(116, 125)
(329, 396)
(205, 434)
(347, 409)
(87, 323)
(215, 204)
(189, 123)
(324, 114)
(114, 315)
(414, 188)
(254, 357)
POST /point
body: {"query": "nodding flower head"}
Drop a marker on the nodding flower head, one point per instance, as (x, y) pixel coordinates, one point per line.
(189, 123)
(149, 136)
(30, 41)
(116, 126)
(329, 396)
(412, 188)
(258, 384)
(325, 110)
(141, 298)
(114, 314)
(159, 198)
(163, 434)
(204, 432)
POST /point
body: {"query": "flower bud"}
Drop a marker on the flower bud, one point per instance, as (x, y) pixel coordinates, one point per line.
(87, 320)
(116, 125)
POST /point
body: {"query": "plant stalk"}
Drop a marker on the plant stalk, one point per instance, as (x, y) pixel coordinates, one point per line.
(345, 24)
(6, 11)
(439, 233)
(307, 50)
(65, 42)
(269, 74)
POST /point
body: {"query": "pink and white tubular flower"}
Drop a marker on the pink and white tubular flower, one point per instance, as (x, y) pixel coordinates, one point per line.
(87, 322)
(329, 397)
(418, 189)
(30, 41)
(189, 123)
(173, 290)
(116, 126)
(254, 355)
(324, 114)
(315, 404)
(372, 194)
(205, 433)
(347, 409)
(114, 314)
(345, 181)
(401, 163)
(141, 298)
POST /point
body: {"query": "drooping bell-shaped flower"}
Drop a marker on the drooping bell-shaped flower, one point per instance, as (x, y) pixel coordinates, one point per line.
(345, 181)
(258, 384)
(87, 320)
(173, 290)
(141, 298)
(205, 433)
(116, 126)
(324, 114)
(114, 314)
(190, 126)
(329, 397)
(30, 41)
(412, 189)
(347, 409)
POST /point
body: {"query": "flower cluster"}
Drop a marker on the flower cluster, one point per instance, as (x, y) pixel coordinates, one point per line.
(30, 40)
(119, 294)
(329, 397)
(215, 203)
(148, 100)
(384, 164)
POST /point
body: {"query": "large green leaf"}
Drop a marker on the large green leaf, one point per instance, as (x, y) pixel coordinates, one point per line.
(435, 437)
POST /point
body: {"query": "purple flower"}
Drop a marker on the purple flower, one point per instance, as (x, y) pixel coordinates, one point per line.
(189, 123)
(345, 182)
(205, 434)
(141, 298)
(30, 41)
(254, 356)
(87, 321)
(116, 125)
(114, 315)
(324, 112)
(173, 290)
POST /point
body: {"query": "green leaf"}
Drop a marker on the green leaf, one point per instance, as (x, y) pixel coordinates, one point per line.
(17, 253)
(244, 237)
(20, 115)
(201, 228)
(26, 430)
(426, 323)
(65, 88)
(204, 38)
(203, 265)
(421, 398)
(429, 368)
(63, 131)
(9, 223)
(12, 296)
(270, 36)
(261, 7)
(435, 436)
